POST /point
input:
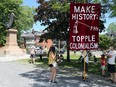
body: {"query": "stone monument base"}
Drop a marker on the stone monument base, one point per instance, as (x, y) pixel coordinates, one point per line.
(12, 51)
(11, 47)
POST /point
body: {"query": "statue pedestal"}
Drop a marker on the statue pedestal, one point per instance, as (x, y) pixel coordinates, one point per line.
(11, 47)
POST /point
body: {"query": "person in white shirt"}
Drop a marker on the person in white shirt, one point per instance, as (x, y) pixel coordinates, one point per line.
(32, 54)
(111, 55)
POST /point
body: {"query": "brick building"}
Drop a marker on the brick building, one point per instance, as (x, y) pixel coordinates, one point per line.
(32, 39)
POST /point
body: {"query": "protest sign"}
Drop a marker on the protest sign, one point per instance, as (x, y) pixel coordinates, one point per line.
(84, 26)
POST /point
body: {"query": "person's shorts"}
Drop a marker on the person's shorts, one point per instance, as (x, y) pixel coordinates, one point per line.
(103, 67)
(32, 56)
(53, 65)
(50, 65)
(111, 68)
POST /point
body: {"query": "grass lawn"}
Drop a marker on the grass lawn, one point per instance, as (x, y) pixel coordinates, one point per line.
(74, 63)
(93, 68)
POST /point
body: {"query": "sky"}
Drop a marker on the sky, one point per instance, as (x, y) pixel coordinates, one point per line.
(33, 3)
(37, 25)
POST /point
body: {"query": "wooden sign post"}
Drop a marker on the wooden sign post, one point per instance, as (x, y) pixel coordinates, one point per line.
(85, 53)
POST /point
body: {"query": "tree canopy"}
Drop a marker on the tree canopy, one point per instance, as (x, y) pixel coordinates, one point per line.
(111, 31)
(56, 15)
(111, 27)
(112, 5)
(104, 42)
(23, 17)
(114, 42)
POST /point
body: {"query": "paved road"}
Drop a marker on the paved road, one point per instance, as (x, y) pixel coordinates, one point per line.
(17, 74)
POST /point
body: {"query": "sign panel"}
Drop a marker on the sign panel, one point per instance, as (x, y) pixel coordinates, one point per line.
(84, 26)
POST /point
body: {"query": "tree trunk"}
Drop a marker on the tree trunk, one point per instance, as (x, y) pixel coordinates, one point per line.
(68, 51)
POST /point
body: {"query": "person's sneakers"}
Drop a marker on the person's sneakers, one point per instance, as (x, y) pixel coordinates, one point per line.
(112, 81)
(83, 78)
(103, 75)
(50, 81)
(54, 81)
(109, 80)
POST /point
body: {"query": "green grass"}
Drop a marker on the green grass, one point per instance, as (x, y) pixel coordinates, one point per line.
(74, 63)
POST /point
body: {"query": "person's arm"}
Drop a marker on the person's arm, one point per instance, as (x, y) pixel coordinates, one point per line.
(105, 62)
(53, 55)
(108, 55)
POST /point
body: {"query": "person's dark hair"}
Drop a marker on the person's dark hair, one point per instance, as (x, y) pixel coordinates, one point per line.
(52, 49)
(103, 55)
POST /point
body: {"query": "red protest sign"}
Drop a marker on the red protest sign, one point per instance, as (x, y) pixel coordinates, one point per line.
(84, 26)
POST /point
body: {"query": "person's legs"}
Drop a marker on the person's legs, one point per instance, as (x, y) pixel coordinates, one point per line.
(103, 73)
(83, 73)
(103, 70)
(54, 74)
(112, 76)
(83, 69)
(33, 60)
(40, 57)
(51, 76)
(115, 77)
(31, 56)
(112, 71)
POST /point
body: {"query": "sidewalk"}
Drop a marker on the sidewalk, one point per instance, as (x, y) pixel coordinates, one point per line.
(16, 57)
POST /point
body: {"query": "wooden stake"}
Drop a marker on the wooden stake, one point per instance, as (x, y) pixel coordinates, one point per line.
(85, 64)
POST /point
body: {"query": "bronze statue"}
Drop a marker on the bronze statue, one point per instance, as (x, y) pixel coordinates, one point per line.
(11, 21)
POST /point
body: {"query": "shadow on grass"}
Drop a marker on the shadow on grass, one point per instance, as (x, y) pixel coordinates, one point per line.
(74, 63)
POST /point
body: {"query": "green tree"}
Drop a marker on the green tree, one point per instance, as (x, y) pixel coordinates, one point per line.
(111, 27)
(104, 42)
(114, 42)
(112, 5)
(23, 20)
(55, 14)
